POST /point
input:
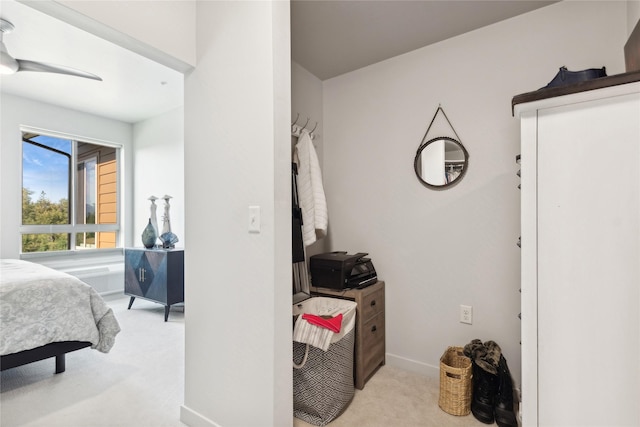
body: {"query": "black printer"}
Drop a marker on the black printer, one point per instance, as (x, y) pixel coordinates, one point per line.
(338, 270)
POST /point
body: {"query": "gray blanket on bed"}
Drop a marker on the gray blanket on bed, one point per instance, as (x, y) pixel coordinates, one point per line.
(39, 305)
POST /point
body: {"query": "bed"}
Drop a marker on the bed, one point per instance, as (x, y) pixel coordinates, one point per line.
(47, 313)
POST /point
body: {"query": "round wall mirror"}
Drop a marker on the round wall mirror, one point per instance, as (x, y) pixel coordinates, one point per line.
(441, 162)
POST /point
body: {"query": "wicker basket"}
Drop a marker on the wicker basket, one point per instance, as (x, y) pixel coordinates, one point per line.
(455, 382)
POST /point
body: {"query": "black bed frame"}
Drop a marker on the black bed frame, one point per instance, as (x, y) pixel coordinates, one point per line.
(54, 349)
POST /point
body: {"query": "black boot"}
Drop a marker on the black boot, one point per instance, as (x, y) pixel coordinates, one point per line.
(504, 414)
(485, 385)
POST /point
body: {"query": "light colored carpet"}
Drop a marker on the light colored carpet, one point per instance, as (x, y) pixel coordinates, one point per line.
(141, 383)
(393, 397)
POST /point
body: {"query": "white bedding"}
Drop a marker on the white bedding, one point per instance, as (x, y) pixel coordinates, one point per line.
(39, 305)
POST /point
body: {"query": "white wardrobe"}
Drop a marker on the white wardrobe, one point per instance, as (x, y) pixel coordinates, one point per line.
(580, 224)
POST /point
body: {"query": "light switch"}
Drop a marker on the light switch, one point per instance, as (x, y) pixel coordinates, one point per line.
(254, 219)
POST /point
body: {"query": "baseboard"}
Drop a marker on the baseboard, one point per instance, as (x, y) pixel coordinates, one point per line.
(194, 419)
(413, 365)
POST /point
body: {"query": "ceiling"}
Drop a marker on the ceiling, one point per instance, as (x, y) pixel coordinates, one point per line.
(329, 38)
(133, 88)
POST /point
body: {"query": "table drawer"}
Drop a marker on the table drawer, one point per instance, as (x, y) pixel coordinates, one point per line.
(373, 343)
(372, 305)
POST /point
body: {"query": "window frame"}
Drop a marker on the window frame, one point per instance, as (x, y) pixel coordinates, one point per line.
(73, 227)
(94, 160)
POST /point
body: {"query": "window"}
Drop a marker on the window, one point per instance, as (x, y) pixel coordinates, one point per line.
(69, 194)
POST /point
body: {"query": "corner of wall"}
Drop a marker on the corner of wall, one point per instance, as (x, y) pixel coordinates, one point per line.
(414, 366)
(633, 15)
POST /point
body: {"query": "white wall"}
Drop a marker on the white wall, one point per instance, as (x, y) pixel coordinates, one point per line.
(145, 27)
(126, 16)
(306, 100)
(238, 347)
(158, 169)
(633, 15)
(439, 249)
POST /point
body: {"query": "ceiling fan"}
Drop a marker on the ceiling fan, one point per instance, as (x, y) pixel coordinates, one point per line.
(10, 65)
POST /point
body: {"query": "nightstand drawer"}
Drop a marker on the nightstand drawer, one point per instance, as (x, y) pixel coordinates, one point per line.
(373, 343)
(372, 305)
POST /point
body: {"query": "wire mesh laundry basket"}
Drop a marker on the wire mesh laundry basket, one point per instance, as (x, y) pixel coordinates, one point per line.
(455, 382)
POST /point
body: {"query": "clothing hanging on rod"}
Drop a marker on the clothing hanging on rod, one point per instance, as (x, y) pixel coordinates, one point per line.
(311, 195)
(451, 175)
(299, 270)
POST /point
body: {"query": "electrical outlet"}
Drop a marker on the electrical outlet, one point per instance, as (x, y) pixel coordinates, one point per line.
(466, 314)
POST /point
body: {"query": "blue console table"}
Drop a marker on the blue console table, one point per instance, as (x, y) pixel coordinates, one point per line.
(156, 275)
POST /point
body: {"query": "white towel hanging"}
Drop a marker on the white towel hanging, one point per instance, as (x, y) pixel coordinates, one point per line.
(311, 195)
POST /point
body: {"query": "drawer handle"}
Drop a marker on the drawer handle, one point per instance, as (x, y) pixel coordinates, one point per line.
(373, 328)
(373, 303)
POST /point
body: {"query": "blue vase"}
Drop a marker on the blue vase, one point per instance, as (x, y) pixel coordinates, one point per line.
(149, 236)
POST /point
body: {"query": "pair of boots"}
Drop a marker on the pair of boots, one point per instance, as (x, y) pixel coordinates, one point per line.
(492, 384)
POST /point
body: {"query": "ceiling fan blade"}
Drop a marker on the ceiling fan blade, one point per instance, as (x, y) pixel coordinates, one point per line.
(25, 65)
(7, 63)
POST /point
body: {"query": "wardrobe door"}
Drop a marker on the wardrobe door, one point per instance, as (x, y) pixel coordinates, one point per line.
(588, 251)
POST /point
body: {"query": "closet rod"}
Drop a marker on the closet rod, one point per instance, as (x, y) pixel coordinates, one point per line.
(296, 129)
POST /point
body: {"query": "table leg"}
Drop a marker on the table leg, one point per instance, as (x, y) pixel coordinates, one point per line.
(166, 312)
(60, 363)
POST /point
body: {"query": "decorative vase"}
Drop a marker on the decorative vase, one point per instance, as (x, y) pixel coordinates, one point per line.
(149, 236)
(166, 224)
(167, 238)
(154, 217)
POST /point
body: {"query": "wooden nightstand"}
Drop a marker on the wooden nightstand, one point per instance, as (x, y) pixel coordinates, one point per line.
(370, 329)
